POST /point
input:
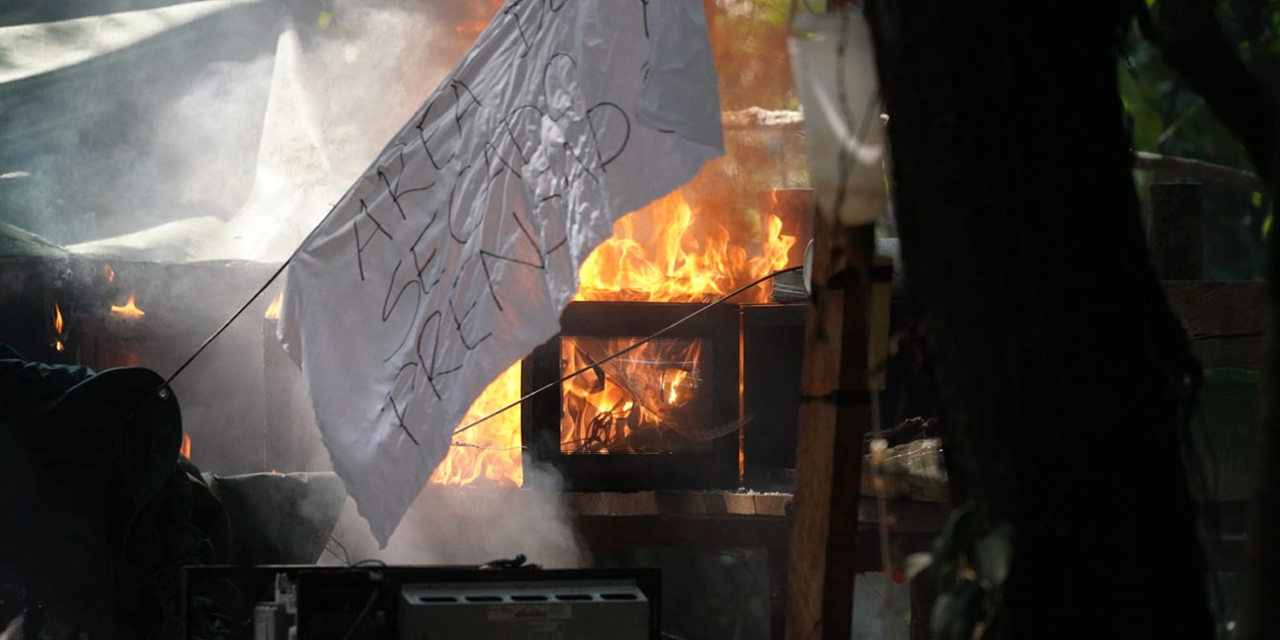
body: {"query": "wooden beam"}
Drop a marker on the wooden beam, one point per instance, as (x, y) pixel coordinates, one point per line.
(834, 415)
(1226, 321)
(1199, 170)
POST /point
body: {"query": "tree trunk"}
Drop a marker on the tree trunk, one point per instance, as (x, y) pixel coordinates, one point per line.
(1065, 380)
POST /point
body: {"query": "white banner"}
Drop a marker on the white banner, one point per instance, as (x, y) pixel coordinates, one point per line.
(453, 255)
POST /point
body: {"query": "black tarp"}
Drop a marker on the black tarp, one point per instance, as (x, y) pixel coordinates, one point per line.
(99, 513)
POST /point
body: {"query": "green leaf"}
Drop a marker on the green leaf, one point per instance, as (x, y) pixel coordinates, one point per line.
(1266, 226)
(995, 554)
(956, 612)
(1256, 199)
(325, 19)
(1151, 3)
(916, 563)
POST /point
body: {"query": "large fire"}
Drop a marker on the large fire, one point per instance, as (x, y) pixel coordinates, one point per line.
(670, 252)
(648, 401)
(666, 252)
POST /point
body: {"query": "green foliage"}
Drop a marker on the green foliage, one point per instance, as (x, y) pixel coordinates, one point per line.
(969, 564)
(1166, 117)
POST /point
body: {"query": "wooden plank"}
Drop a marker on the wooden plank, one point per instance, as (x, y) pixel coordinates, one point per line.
(771, 504)
(906, 516)
(1218, 307)
(1224, 320)
(739, 503)
(678, 503)
(693, 503)
(613, 504)
(833, 418)
(651, 532)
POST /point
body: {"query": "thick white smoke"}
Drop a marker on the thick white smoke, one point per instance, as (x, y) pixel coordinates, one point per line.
(333, 99)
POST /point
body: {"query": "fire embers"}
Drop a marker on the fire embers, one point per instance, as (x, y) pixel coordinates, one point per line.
(55, 311)
(647, 401)
(57, 329)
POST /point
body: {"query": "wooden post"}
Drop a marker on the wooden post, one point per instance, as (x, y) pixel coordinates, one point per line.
(1175, 232)
(834, 416)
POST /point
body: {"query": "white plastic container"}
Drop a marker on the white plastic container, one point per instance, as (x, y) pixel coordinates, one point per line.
(835, 73)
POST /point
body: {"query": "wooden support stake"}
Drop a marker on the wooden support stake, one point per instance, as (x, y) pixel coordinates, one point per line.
(1175, 233)
(834, 416)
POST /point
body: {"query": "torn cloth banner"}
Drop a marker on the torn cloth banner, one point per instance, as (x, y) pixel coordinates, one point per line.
(453, 255)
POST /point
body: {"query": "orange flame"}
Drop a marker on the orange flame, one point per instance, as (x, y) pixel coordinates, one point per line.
(664, 252)
(648, 401)
(185, 447)
(470, 28)
(129, 309)
(651, 401)
(489, 451)
(478, 15)
(57, 327)
(273, 309)
(668, 252)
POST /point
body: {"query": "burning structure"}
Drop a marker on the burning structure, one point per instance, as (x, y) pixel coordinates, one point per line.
(710, 405)
(686, 248)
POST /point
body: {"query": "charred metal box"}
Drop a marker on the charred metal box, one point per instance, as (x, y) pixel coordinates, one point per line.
(662, 415)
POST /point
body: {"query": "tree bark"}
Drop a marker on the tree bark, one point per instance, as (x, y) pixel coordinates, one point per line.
(1065, 380)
